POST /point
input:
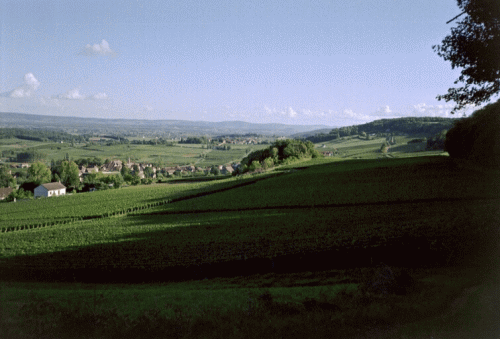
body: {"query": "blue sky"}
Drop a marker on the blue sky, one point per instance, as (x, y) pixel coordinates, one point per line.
(333, 63)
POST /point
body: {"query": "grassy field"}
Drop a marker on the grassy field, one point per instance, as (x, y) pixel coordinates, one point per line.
(179, 154)
(353, 147)
(283, 256)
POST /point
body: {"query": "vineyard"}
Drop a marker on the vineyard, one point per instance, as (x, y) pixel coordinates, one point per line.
(344, 214)
(100, 204)
(354, 182)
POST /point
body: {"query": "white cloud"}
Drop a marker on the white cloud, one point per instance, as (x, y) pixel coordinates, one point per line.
(355, 118)
(99, 96)
(288, 112)
(149, 108)
(31, 81)
(291, 113)
(419, 108)
(73, 94)
(269, 111)
(29, 87)
(385, 110)
(97, 49)
(423, 109)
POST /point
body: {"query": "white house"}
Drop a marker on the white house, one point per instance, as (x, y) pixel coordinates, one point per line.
(49, 190)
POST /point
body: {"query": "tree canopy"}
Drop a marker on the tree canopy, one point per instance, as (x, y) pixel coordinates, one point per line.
(477, 138)
(474, 46)
(69, 173)
(39, 174)
(6, 179)
(279, 152)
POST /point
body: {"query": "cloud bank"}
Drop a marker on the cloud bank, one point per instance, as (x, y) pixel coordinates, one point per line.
(101, 49)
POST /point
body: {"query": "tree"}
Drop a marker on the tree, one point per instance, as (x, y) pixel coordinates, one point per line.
(116, 180)
(477, 138)
(19, 194)
(385, 147)
(69, 174)
(38, 173)
(6, 179)
(215, 170)
(474, 45)
(148, 172)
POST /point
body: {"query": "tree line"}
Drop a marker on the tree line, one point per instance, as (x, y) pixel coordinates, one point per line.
(412, 125)
(40, 135)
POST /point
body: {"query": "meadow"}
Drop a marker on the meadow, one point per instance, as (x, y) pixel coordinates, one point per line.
(354, 147)
(173, 155)
(276, 255)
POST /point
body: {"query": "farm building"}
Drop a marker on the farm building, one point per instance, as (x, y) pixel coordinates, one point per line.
(49, 190)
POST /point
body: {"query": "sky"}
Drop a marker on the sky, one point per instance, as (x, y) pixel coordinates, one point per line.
(333, 63)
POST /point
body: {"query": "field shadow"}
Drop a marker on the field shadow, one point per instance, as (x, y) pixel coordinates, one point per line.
(142, 258)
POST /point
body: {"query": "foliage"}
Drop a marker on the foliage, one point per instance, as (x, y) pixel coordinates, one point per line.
(474, 46)
(6, 179)
(215, 170)
(148, 172)
(19, 194)
(437, 141)
(385, 147)
(39, 174)
(99, 181)
(30, 156)
(194, 140)
(69, 174)
(279, 152)
(89, 162)
(477, 137)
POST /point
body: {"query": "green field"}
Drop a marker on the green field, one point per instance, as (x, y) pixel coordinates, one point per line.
(354, 147)
(63, 209)
(248, 258)
(178, 154)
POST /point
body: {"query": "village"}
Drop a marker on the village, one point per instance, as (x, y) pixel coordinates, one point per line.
(146, 173)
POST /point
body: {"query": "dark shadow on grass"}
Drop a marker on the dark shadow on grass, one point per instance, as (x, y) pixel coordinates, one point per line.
(143, 259)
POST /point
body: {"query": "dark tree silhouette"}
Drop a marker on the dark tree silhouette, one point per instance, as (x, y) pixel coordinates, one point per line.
(474, 46)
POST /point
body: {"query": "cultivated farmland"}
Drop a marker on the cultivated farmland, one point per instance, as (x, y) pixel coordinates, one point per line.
(321, 222)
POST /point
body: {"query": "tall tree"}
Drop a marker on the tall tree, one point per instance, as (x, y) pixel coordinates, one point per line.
(38, 173)
(474, 46)
(69, 173)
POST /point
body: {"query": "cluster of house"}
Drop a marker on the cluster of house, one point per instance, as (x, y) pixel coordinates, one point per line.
(117, 165)
(239, 141)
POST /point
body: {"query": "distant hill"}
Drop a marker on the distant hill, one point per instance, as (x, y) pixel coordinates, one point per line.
(312, 133)
(133, 127)
(423, 126)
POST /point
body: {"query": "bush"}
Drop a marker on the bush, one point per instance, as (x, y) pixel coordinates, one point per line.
(477, 138)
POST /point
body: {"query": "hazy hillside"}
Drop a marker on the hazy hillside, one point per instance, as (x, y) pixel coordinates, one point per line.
(129, 127)
(424, 126)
